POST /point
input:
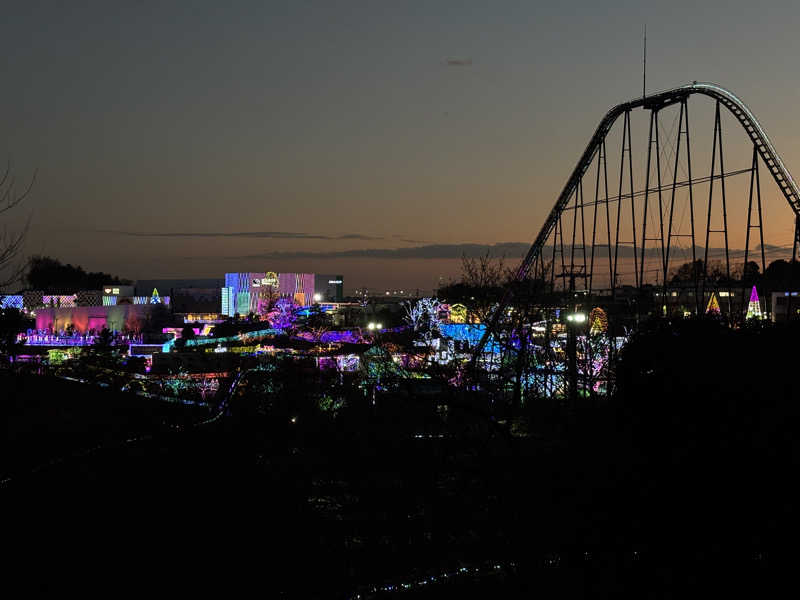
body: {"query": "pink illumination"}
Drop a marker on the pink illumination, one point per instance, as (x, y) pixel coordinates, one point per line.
(754, 308)
(87, 318)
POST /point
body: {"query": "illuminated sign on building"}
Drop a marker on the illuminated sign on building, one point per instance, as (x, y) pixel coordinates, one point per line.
(270, 279)
(111, 289)
(329, 287)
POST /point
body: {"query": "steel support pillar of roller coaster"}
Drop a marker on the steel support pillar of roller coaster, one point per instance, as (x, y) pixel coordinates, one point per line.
(665, 265)
(796, 242)
(626, 148)
(717, 147)
(795, 246)
(653, 140)
(755, 185)
(695, 271)
(589, 281)
(601, 164)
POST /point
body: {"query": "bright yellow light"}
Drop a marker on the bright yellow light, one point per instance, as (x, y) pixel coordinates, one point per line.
(458, 313)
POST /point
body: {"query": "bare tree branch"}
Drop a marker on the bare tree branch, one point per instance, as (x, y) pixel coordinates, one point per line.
(11, 243)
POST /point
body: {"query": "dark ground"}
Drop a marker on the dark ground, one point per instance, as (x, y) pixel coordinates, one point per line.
(687, 482)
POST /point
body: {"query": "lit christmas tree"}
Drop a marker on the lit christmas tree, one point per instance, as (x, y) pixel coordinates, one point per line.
(599, 321)
(713, 305)
(754, 308)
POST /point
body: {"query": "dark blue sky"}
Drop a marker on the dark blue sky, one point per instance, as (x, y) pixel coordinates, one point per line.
(339, 125)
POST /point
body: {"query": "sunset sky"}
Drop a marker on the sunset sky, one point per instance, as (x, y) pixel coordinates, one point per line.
(178, 140)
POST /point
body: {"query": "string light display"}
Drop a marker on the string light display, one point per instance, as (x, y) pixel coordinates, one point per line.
(754, 307)
(598, 320)
(713, 305)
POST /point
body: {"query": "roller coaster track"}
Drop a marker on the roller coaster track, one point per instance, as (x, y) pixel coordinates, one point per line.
(655, 102)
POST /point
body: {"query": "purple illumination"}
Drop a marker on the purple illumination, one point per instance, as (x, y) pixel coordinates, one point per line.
(59, 301)
(347, 336)
(11, 302)
(754, 307)
(282, 315)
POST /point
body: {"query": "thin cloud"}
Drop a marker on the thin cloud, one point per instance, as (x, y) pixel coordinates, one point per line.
(430, 251)
(510, 250)
(283, 235)
(408, 241)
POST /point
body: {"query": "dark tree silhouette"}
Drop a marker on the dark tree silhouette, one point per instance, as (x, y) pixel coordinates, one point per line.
(103, 341)
(159, 317)
(751, 273)
(12, 321)
(46, 273)
(187, 333)
(480, 287)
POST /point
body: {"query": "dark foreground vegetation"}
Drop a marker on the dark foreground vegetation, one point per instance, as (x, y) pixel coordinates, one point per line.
(684, 481)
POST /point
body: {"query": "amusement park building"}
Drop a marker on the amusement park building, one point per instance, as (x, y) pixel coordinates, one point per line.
(115, 312)
(251, 292)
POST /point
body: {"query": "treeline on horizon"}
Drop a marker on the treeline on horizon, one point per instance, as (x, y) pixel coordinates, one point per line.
(51, 275)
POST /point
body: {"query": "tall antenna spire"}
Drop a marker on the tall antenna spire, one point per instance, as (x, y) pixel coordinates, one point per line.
(644, 64)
